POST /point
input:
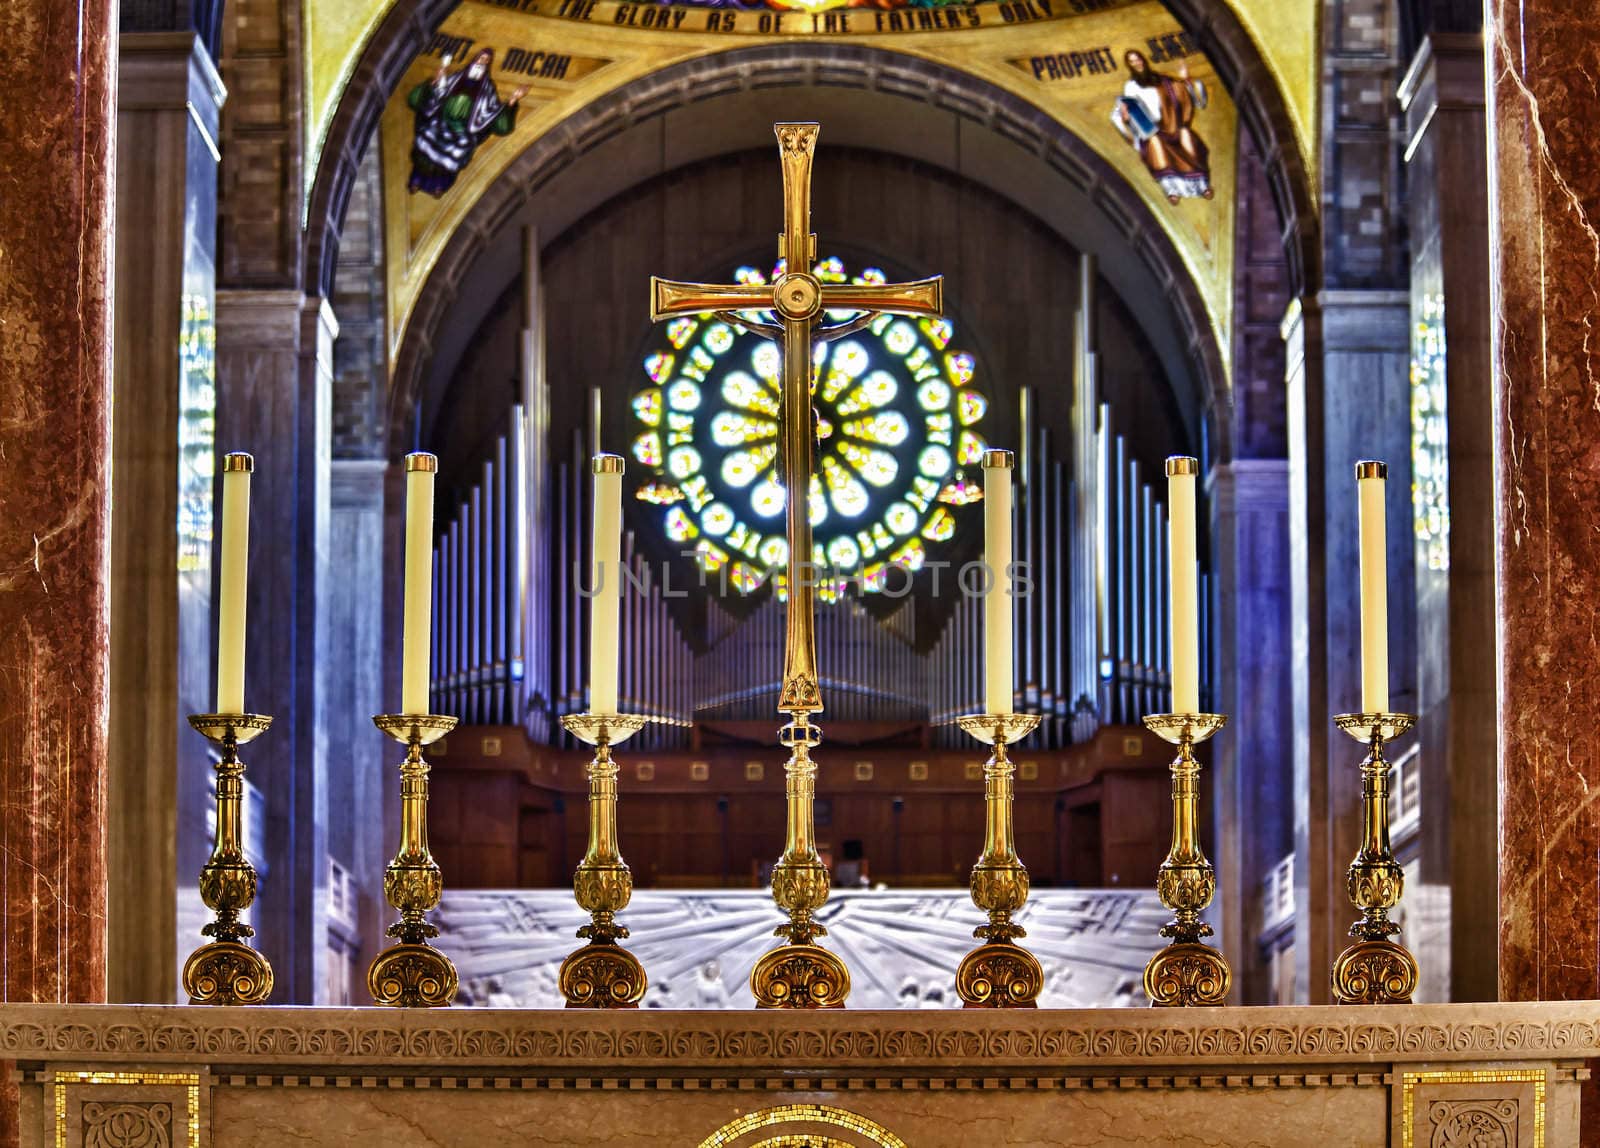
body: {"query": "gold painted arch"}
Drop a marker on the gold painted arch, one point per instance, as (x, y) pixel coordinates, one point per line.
(863, 1131)
(1065, 64)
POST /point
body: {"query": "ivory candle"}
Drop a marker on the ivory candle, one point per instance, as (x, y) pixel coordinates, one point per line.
(605, 582)
(1182, 583)
(236, 470)
(1371, 479)
(416, 648)
(997, 628)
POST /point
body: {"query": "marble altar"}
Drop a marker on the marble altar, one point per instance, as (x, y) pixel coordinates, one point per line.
(1414, 1075)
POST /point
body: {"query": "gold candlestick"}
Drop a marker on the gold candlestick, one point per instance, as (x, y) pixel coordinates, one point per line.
(1375, 970)
(226, 970)
(1186, 972)
(412, 973)
(603, 974)
(800, 974)
(999, 973)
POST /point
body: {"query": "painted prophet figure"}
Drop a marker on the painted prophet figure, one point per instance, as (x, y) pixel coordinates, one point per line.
(1156, 115)
(456, 111)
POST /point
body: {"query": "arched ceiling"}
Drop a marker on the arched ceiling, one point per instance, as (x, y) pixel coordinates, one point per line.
(1069, 68)
(1283, 36)
(873, 100)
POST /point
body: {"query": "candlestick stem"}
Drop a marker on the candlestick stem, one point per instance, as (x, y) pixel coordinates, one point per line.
(1187, 971)
(1376, 969)
(999, 973)
(602, 974)
(412, 973)
(227, 971)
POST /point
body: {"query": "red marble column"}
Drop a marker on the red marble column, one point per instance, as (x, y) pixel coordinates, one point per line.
(1544, 59)
(57, 119)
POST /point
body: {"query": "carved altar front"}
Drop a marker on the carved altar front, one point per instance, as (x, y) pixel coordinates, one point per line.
(1414, 1076)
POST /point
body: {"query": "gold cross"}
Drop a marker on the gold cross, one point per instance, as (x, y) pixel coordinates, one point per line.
(799, 299)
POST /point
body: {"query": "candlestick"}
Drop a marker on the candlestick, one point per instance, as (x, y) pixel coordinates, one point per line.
(421, 469)
(800, 973)
(1371, 479)
(1186, 972)
(236, 470)
(999, 973)
(602, 974)
(997, 625)
(412, 973)
(605, 582)
(1182, 578)
(226, 970)
(1375, 970)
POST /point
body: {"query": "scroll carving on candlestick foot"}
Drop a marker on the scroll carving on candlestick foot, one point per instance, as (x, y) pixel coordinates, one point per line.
(1374, 972)
(1186, 972)
(412, 973)
(1376, 969)
(412, 976)
(999, 973)
(227, 971)
(1187, 975)
(602, 974)
(800, 976)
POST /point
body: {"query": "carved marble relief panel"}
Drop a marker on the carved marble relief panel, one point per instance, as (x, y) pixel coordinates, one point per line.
(698, 946)
(1472, 1108)
(125, 1108)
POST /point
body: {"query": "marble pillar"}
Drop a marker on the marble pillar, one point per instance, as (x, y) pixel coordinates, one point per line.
(1249, 501)
(1544, 212)
(1347, 370)
(1453, 507)
(274, 384)
(168, 101)
(362, 772)
(57, 175)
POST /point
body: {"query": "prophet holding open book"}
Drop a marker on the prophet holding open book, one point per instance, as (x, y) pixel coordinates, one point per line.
(1156, 115)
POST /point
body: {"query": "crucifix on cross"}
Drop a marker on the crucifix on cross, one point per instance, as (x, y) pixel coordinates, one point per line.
(799, 300)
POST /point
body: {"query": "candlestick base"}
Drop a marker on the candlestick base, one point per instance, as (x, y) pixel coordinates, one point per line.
(800, 976)
(1187, 972)
(412, 976)
(602, 974)
(1187, 975)
(999, 973)
(412, 973)
(227, 971)
(1376, 969)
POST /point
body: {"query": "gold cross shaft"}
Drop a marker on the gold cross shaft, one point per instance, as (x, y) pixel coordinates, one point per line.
(799, 300)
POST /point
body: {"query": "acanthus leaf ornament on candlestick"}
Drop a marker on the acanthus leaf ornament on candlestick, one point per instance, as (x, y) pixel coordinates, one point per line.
(602, 974)
(799, 974)
(226, 970)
